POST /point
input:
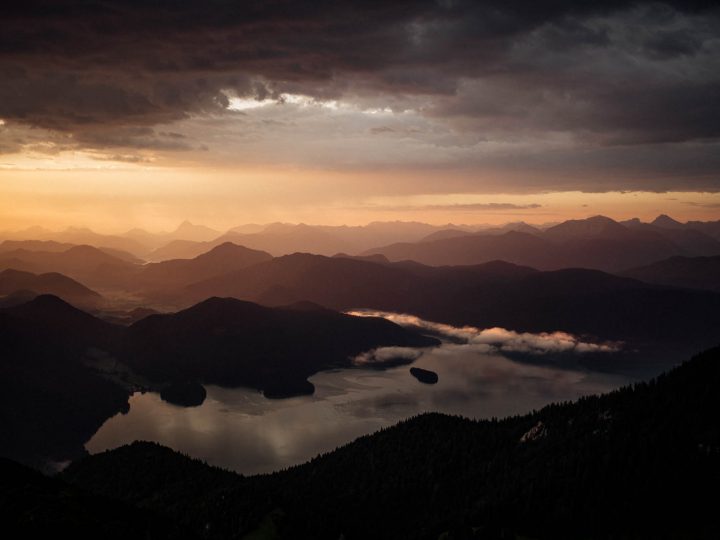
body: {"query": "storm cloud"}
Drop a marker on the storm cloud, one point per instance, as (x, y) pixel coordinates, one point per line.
(477, 82)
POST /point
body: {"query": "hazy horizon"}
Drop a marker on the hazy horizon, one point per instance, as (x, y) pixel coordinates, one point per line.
(487, 222)
(442, 112)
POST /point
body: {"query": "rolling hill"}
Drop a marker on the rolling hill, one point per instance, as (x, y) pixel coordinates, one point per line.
(691, 272)
(87, 264)
(234, 343)
(171, 274)
(12, 281)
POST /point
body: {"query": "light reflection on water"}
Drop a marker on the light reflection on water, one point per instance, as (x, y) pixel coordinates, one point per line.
(239, 429)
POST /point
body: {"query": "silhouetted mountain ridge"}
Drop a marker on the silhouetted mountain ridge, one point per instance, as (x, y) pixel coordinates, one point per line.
(597, 242)
(51, 400)
(497, 293)
(231, 342)
(554, 473)
(221, 259)
(87, 264)
(51, 283)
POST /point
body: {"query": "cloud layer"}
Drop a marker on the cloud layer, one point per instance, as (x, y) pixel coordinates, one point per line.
(486, 340)
(473, 84)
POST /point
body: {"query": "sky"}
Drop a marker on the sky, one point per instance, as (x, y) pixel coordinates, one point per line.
(118, 114)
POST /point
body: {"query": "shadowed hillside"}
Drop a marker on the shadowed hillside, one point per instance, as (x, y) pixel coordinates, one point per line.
(636, 463)
(493, 294)
(51, 401)
(692, 272)
(57, 247)
(233, 343)
(12, 281)
(36, 506)
(169, 275)
(85, 263)
(597, 242)
(63, 372)
(346, 282)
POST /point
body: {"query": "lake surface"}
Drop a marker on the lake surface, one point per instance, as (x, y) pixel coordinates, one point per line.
(240, 429)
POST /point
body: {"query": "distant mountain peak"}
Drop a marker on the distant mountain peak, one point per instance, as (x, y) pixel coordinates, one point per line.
(190, 231)
(230, 248)
(11, 272)
(50, 306)
(188, 225)
(666, 222)
(50, 300)
(218, 307)
(589, 227)
(600, 219)
(631, 221)
(83, 248)
(225, 246)
(36, 230)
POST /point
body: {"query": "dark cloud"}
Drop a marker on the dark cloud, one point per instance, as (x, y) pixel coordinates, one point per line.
(671, 44)
(607, 73)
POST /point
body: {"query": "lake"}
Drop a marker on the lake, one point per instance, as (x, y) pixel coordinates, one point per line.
(239, 429)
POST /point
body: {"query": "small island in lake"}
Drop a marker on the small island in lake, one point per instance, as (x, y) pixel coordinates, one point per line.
(424, 375)
(184, 393)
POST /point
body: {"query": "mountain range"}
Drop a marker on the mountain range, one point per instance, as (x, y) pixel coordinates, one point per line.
(581, 301)
(493, 294)
(597, 242)
(175, 273)
(690, 272)
(87, 264)
(245, 308)
(284, 238)
(13, 281)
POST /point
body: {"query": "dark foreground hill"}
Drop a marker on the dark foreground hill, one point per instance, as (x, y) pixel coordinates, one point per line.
(640, 462)
(43, 507)
(51, 402)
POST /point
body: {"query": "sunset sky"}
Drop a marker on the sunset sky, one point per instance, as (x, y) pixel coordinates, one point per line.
(145, 113)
